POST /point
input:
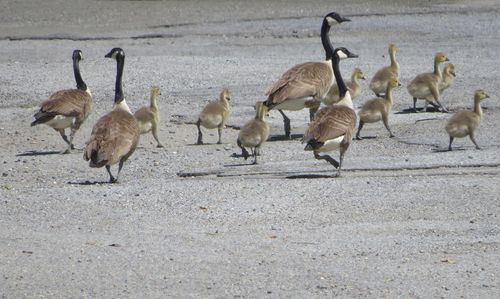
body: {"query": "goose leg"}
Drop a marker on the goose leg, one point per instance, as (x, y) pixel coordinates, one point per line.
(200, 135)
(111, 178)
(471, 135)
(327, 158)
(120, 165)
(254, 153)
(244, 151)
(415, 105)
(361, 123)
(286, 122)
(451, 141)
(385, 120)
(63, 135)
(219, 131)
(155, 135)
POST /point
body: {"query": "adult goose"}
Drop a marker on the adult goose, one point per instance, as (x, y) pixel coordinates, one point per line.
(294, 90)
(67, 108)
(116, 134)
(333, 126)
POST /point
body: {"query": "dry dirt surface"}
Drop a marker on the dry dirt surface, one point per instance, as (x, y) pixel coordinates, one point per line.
(406, 218)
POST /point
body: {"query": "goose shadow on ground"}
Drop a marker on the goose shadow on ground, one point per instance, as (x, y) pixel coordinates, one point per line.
(312, 176)
(420, 110)
(91, 183)
(38, 153)
(284, 138)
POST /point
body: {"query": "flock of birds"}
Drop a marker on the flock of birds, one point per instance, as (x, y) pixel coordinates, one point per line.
(115, 135)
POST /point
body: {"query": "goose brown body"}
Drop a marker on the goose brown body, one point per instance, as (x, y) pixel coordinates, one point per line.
(115, 136)
(305, 85)
(67, 108)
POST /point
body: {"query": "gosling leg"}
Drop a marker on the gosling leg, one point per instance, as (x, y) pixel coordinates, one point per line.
(200, 135)
(361, 124)
(471, 135)
(286, 123)
(451, 141)
(385, 120)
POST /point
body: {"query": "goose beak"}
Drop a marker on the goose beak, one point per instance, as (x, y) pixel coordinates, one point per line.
(352, 55)
(109, 55)
(344, 20)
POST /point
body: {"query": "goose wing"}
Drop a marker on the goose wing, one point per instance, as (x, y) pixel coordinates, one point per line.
(70, 102)
(331, 122)
(302, 80)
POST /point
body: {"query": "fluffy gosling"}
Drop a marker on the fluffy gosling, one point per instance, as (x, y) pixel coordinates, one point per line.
(354, 87)
(378, 84)
(149, 117)
(254, 133)
(214, 115)
(378, 109)
(448, 79)
(426, 86)
(464, 123)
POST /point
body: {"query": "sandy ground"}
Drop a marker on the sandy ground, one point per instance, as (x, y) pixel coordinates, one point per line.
(406, 219)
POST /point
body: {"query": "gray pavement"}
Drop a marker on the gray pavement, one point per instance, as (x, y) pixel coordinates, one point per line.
(406, 219)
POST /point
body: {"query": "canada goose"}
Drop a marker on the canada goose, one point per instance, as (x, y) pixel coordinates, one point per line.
(378, 109)
(426, 85)
(254, 133)
(149, 117)
(116, 134)
(464, 123)
(448, 78)
(303, 81)
(67, 108)
(354, 88)
(378, 84)
(333, 126)
(214, 115)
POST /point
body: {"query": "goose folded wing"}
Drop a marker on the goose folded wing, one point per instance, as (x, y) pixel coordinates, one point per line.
(67, 103)
(330, 123)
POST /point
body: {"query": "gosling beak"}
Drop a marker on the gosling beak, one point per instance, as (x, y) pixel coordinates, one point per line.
(446, 59)
(399, 84)
(363, 78)
(453, 74)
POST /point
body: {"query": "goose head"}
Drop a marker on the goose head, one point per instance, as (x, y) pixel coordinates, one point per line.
(441, 57)
(358, 74)
(393, 83)
(77, 55)
(115, 53)
(343, 53)
(155, 91)
(449, 69)
(334, 18)
(480, 95)
(224, 95)
(392, 49)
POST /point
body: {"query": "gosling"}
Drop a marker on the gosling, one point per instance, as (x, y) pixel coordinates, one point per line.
(254, 133)
(214, 115)
(354, 87)
(447, 80)
(464, 123)
(149, 117)
(378, 109)
(378, 84)
(426, 86)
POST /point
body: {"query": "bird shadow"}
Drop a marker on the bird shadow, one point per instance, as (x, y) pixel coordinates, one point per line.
(89, 183)
(365, 137)
(445, 150)
(37, 153)
(284, 138)
(420, 110)
(311, 176)
(239, 164)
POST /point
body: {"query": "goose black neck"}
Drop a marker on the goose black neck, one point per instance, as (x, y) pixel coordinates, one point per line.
(325, 39)
(338, 77)
(78, 77)
(120, 63)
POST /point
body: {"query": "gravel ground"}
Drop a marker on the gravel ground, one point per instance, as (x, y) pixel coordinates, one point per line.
(406, 219)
